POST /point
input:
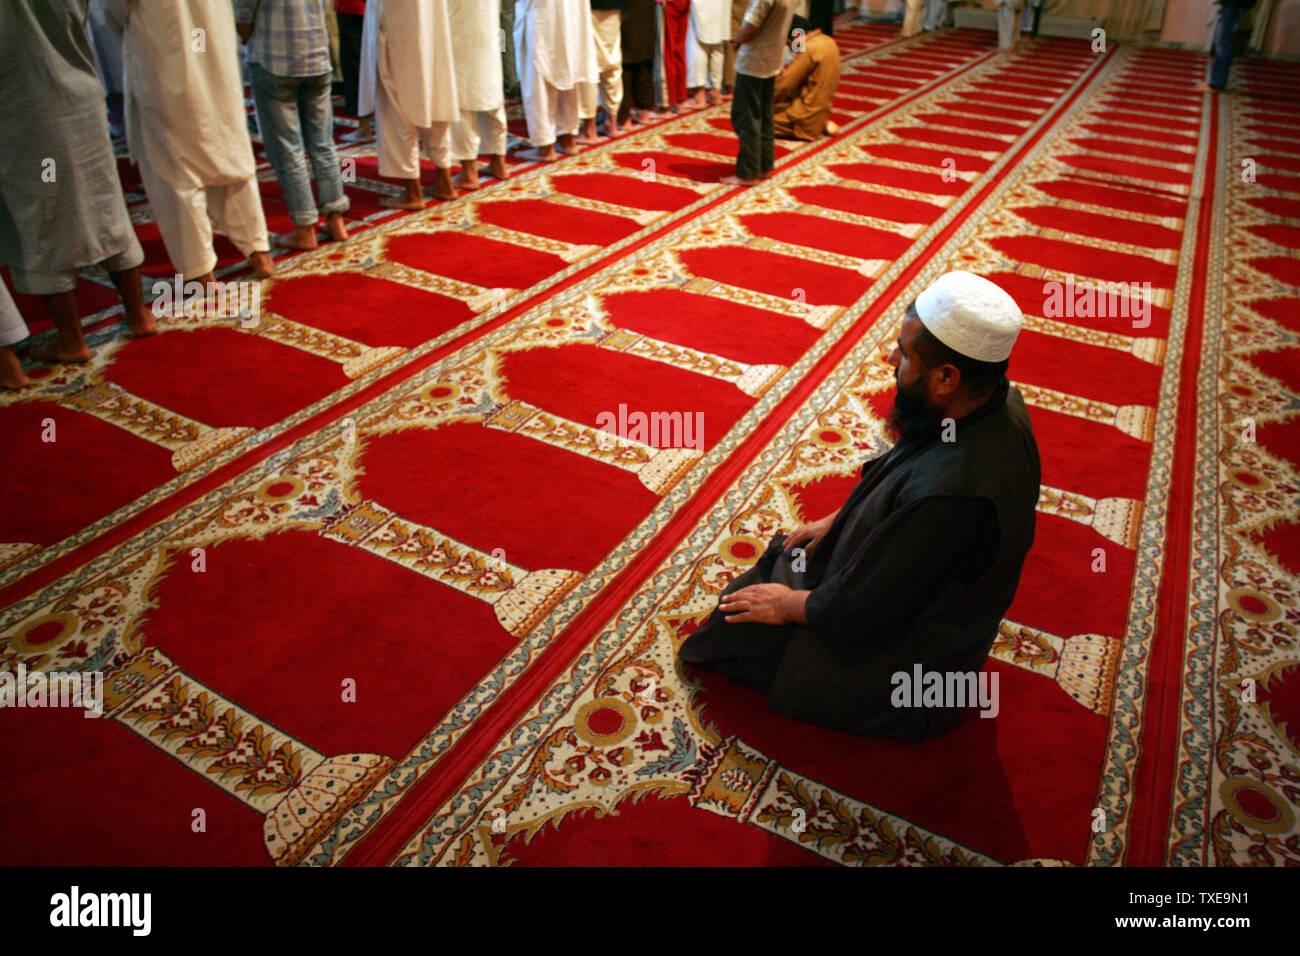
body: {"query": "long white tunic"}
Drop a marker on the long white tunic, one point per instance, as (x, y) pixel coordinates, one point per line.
(185, 107)
(554, 43)
(413, 60)
(477, 50)
(711, 20)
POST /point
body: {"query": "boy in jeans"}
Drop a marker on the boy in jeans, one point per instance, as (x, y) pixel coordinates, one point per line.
(760, 53)
(289, 63)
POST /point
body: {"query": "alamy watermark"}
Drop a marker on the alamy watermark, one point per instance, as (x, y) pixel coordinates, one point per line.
(178, 299)
(656, 429)
(55, 689)
(948, 689)
(75, 909)
(1070, 299)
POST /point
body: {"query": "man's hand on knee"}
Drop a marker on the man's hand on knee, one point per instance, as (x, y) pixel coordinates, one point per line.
(765, 604)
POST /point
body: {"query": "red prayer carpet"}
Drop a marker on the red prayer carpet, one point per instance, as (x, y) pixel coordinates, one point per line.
(369, 584)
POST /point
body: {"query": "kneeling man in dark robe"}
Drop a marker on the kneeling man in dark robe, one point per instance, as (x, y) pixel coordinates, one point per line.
(908, 581)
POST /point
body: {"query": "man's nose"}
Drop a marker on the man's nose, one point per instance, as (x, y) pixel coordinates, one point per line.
(894, 357)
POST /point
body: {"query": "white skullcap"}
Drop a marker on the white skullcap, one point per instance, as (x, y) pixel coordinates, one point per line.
(970, 315)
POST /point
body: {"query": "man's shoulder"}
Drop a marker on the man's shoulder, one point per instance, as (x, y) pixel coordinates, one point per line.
(822, 45)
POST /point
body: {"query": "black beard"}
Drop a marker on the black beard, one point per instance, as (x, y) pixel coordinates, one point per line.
(911, 417)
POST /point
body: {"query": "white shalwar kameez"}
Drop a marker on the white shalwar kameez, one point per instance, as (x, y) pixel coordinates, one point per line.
(554, 52)
(413, 82)
(706, 43)
(187, 127)
(479, 89)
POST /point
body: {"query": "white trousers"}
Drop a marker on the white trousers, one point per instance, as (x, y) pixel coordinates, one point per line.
(479, 132)
(608, 29)
(399, 142)
(550, 112)
(12, 327)
(1009, 12)
(704, 62)
(185, 216)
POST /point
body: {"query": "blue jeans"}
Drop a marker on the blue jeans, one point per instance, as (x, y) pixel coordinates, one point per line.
(297, 121)
(1225, 38)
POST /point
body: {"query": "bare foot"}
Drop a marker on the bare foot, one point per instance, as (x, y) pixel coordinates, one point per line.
(544, 155)
(57, 356)
(139, 321)
(335, 227)
(467, 179)
(586, 140)
(401, 202)
(442, 187)
(696, 102)
(737, 181)
(566, 145)
(302, 238)
(12, 375)
(497, 168)
(263, 267)
(714, 97)
(832, 127)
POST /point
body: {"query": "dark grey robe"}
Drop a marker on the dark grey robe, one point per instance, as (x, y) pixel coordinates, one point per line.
(61, 202)
(918, 568)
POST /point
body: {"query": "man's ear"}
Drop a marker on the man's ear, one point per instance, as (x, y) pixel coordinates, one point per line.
(947, 379)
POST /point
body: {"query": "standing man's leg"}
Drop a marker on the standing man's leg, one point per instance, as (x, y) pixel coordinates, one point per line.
(609, 43)
(237, 211)
(679, 20)
(316, 111)
(57, 290)
(717, 58)
(509, 74)
(350, 32)
(494, 132)
(436, 140)
(465, 149)
(124, 270)
(769, 126)
(697, 68)
(12, 331)
(566, 120)
(181, 214)
(1225, 38)
(912, 17)
(747, 121)
(540, 104)
(276, 101)
(399, 152)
